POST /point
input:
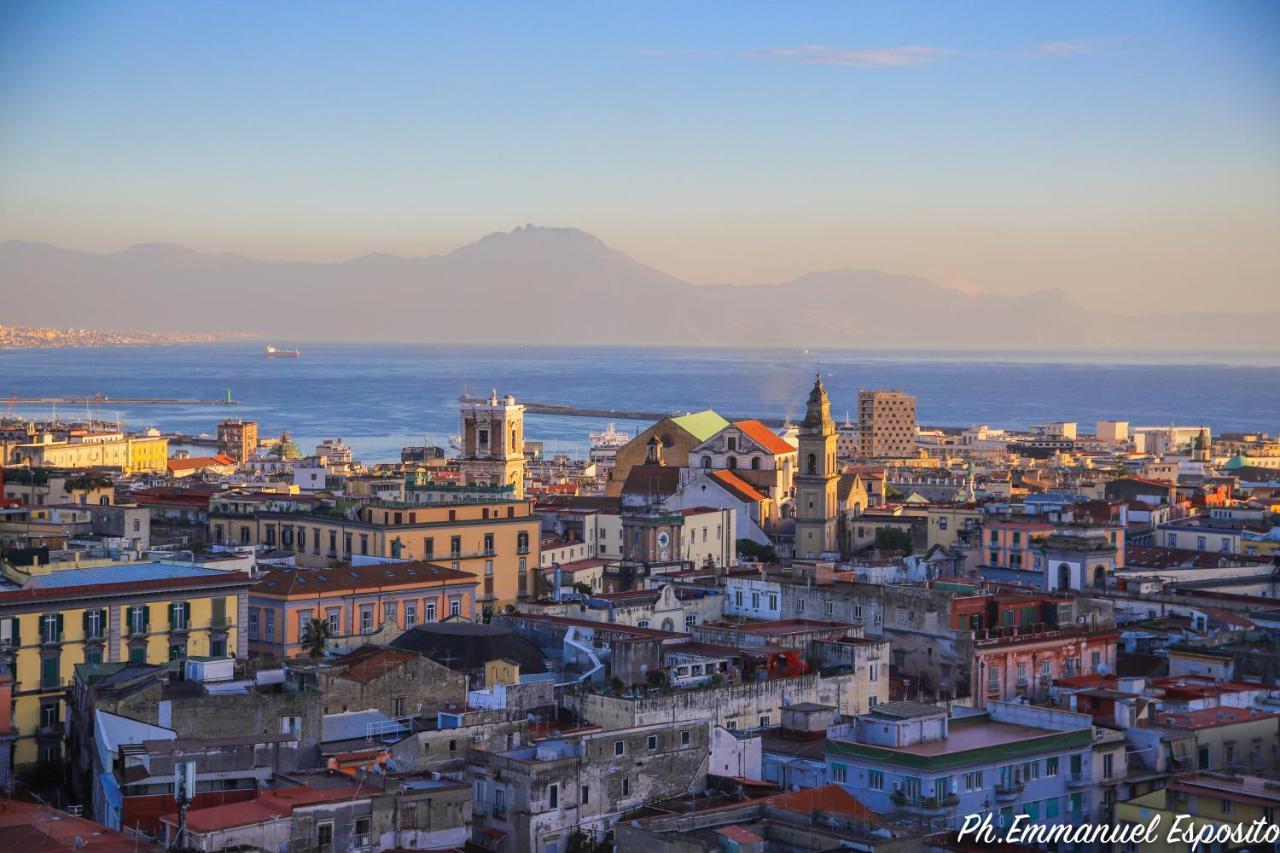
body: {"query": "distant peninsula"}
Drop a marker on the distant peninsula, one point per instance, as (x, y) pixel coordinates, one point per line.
(28, 337)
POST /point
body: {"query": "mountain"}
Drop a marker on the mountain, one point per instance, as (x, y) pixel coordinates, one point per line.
(555, 285)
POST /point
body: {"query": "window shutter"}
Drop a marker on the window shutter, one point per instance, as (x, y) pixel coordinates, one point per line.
(146, 616)
(14, 623)
(59, 626)
(186, 613)
(84, 617)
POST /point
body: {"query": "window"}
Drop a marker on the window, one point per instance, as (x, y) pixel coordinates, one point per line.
(49, 715)
(335, 617)
(95, 623)
(455, 546)
(408, 817)
(626, 787)
(973, 781)
(49, 672)
(839, 773)
(829, 607)
(397, 706)
(684, 738)
(873, 671)
(366, 619)
(429, 611)
(553, 796)
(364, 543)
(291, 725)
(410, 614)
(51, 628)
(455, 607)
(137, 654)
(875, 780)
(270, 628)
(361, 839)
(586, 795)
(1051, 766)
(764, 721)
(619, 747)
(651, 742)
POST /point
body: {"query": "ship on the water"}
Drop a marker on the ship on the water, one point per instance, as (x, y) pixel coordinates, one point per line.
(272, 352)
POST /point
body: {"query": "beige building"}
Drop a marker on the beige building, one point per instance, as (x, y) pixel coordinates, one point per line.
(886, 423)
(493, 444)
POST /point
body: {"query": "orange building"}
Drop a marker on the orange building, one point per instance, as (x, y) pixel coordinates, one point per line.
(354, 601)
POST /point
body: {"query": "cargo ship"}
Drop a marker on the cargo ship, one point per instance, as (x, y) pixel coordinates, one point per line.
(272, 352)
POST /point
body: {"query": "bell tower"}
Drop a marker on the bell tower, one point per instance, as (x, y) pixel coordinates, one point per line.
(816, 479)
(493, 443)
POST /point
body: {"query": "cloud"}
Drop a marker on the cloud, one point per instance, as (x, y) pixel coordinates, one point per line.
(1061, 48)
(879, 57)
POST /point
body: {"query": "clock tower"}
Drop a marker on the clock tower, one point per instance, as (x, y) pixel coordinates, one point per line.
(816, 479)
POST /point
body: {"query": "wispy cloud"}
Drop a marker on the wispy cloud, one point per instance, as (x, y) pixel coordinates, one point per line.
(1061, 48)
(879, 57)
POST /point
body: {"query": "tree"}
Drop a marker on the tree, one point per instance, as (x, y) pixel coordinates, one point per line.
(486, 614)
(753, 550)
(315, 635)
(709, 562)
(582, 587)
(893, 539)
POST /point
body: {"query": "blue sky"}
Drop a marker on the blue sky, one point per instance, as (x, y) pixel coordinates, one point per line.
(1123, 152)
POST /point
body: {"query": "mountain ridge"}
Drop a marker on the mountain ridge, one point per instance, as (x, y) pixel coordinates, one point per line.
(536, 284)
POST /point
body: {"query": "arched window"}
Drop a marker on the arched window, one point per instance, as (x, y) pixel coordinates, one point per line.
(813, 463)
(668, 625)
(733, 462)
(1099, 576)
(1064, 576)
(706, 462)
(755, 463)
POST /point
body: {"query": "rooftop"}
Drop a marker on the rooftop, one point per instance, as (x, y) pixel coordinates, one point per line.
(296, 581)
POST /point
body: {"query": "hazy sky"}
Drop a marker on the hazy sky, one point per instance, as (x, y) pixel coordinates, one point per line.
(1126, 152)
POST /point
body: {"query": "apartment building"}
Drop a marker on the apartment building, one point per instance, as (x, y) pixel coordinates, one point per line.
(54, 617)
(497, 541)
(354, 601)
(917, 762)
(886, 424)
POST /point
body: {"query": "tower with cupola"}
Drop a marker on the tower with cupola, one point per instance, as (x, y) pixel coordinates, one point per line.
(816, 512)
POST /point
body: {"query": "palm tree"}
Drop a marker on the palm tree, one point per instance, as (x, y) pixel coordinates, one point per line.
(314, 636)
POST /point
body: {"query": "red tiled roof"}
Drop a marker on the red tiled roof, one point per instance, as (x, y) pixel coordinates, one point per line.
(832, 799)
(371, 662)
(293, 581)
(24, 826)
(267, 806)
(737, 486)
(197, 462)
(765, 437)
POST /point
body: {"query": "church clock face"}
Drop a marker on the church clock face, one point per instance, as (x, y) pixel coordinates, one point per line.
(664, 543)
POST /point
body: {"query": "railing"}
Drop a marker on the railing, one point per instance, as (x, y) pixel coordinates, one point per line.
(934, 803)
(1077, 780)
(1007, 790)
(499, 812)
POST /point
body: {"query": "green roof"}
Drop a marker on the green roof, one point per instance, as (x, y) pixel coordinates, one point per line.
(1235, 462)
(701, 425)
(1055, 742)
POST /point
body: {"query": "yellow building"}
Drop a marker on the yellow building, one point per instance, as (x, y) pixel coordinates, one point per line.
(1203, 801)
(497, 541)
(131, 454)
(53, 618)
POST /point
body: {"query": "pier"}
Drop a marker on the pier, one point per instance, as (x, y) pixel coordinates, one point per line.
(615, 414)
(119, 401)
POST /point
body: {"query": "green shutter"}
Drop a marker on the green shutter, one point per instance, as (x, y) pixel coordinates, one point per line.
(186, 613)
(59, 626)
(84, 619)
(146, 616)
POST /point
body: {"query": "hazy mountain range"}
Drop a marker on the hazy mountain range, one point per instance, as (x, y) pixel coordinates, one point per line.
(559, 285)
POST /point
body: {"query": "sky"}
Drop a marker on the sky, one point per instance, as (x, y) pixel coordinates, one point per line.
(1127, 153)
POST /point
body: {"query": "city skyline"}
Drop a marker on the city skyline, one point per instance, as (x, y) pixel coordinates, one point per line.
(1122, 155)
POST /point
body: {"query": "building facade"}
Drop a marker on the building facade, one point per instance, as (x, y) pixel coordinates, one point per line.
(886, 424)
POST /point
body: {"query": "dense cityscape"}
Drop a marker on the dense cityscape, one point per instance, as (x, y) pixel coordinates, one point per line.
(855, 634)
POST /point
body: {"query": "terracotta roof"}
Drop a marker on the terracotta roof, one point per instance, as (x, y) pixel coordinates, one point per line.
(765, 437)
(197, 462)
(295, 581)
(737, 486)
(372, 662)
(831, 799)
(24, 826)
(267, 806)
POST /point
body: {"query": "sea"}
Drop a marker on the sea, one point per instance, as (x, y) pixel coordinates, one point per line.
(381, 397)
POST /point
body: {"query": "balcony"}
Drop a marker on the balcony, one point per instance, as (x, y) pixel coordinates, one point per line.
(499, 812)
(51, 638)
(924, 806)
(1077, 780)
(1006, 791)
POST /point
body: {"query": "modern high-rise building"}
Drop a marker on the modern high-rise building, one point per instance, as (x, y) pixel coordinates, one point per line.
(238, 438)
(493, 443)
(886, 423)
